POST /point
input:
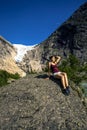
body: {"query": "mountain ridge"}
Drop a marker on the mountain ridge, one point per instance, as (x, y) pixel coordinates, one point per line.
(69, 38)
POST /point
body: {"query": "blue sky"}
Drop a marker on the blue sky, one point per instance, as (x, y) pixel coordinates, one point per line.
(30, 22)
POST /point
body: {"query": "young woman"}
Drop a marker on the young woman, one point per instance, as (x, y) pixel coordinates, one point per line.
(52, 65)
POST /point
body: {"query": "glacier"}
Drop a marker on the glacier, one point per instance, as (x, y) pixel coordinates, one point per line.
(21, 51)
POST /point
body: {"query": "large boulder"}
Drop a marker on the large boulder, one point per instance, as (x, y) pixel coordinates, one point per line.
(35, 103)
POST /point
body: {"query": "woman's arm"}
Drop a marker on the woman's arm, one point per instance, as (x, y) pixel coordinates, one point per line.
(49, 65)
(57, 59)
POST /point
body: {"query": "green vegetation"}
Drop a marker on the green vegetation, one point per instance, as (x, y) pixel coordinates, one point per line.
(4, 76)
(74, 69)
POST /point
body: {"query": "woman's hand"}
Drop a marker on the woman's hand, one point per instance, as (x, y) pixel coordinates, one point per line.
(58, 57)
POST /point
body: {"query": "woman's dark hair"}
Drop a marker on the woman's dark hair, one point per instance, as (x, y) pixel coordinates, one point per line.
(52, 57)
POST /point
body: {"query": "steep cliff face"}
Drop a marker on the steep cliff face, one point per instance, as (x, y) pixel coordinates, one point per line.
(70, 37)
(6, 48)
(7, 54)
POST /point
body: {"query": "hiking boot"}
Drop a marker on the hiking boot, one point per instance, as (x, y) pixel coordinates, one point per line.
(65, 92)
(68, 90)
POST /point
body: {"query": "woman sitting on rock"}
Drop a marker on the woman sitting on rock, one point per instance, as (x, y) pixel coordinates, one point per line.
(52, 65)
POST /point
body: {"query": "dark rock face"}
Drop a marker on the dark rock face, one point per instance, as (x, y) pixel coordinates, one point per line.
(70, 37)
(34, 103)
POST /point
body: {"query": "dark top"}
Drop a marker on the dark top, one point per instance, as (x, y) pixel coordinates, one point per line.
(54, 68)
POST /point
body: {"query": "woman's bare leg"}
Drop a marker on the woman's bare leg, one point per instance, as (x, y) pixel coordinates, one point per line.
(62, 79)
(66, 79)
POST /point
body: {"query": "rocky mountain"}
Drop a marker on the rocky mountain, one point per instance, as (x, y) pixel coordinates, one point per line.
(35, 103)
(69, 38)
(7, 54)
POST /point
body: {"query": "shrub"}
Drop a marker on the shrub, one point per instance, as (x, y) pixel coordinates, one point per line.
(73, 68)
(4, 76)
(15, 76)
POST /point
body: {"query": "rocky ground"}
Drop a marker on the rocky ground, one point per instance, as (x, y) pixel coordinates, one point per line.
(35, 103)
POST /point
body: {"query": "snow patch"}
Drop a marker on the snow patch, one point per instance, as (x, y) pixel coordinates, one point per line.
(21, 51)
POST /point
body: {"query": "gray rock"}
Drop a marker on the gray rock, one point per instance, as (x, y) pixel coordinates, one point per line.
(35, 103)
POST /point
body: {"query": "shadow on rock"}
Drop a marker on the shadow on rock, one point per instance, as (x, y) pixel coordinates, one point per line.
(42, 76)
(57, 81)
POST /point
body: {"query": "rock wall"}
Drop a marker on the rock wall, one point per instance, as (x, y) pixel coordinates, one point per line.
(7, 54)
